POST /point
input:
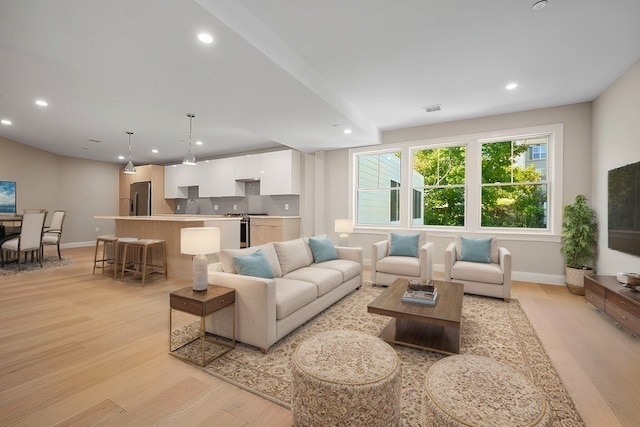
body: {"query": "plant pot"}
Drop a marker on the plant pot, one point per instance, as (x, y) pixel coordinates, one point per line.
(574, 278)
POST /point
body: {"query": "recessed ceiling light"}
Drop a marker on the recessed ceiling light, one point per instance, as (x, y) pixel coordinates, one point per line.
(511, 86)
(347, 131)
(5, 122)
(198, 142)
(120, 157)
(539, 4)
(154, 151)
(205, 38)
(41, 102)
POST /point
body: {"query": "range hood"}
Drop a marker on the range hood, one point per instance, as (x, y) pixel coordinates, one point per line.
(248, 180)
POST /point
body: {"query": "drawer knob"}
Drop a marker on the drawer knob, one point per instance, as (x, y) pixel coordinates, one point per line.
(221, 301)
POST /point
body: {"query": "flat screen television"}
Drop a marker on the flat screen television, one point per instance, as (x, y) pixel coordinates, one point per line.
(624, 209)
(7, 197)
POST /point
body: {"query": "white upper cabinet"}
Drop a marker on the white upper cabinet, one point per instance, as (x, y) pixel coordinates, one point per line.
(223, 182)
(280, 173)
(176, 180)
(247, 167)
(203, 171)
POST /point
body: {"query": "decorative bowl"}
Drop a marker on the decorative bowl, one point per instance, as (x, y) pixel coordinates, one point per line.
(633, 280)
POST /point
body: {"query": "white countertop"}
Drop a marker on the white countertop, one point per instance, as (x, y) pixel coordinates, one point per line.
(171, 218)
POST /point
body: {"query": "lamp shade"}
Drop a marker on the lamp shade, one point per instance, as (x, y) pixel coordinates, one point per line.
(343, 226)
(199, 240)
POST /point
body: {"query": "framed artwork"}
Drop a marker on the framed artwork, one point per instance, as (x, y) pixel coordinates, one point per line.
(8, 197)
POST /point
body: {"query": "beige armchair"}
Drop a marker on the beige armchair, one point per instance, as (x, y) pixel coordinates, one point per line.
(492, 278)
(386, 267)
(53, 233)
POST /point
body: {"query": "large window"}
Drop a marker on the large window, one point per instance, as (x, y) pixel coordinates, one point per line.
(378, 189)
(504, 180)
(439, 183)
(514, 189)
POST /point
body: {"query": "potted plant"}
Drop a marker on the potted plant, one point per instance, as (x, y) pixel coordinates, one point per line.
(579, 243)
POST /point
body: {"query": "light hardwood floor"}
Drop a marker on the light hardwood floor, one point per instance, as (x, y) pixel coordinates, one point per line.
(78, 349)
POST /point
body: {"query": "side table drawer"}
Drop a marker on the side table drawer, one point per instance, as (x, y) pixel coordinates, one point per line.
(186, 305)
(219, 302)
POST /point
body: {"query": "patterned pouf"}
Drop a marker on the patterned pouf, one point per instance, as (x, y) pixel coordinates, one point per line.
(345, 378)
(466, 390)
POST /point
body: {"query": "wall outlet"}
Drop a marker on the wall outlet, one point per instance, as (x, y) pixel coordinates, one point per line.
(215, 207)
(235, 207)
(286, 206)
(177, 207)
(97, 229)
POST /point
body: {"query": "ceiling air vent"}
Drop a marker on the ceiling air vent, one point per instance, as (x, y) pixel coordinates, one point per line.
(433, 108)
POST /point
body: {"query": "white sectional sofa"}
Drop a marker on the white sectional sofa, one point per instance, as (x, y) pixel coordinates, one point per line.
(268, 309)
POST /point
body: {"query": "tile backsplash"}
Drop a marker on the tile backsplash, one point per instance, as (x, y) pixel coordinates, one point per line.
(252, 203)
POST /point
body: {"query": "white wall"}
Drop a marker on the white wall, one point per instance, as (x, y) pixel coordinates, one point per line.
(83, 188)
(616, 142)
(538, 261)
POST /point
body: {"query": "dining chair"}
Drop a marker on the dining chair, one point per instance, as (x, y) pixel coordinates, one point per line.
(29, 240)
(52, 234)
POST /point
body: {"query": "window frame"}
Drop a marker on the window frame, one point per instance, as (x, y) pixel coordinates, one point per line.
(473, 188)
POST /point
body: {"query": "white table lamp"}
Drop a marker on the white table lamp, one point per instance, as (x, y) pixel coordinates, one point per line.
(344, 227)
(200, 241)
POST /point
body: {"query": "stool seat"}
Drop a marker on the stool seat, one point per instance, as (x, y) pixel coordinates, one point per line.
(468, 390)
(345, 378)
(141, 250)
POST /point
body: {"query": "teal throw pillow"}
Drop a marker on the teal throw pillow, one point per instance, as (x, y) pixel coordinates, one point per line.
(322, 249)
(475, 250)
(404, 244)
(255, 264)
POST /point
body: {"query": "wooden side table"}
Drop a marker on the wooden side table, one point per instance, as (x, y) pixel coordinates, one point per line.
(203, 304)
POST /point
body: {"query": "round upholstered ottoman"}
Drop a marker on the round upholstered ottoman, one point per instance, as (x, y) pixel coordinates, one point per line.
(345, 378)
(466, 390)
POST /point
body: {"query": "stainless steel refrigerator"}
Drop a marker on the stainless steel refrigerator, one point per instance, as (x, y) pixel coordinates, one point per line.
(140, 199)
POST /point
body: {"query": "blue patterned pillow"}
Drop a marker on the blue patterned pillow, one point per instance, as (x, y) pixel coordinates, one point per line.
(255, 264)
(404, 244)
(475, 250)
(323, 249)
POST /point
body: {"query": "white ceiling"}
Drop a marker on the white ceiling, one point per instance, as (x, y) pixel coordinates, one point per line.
(289, 72)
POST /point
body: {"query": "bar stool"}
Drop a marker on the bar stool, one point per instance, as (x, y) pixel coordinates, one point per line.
(142, 262)
(108, 255)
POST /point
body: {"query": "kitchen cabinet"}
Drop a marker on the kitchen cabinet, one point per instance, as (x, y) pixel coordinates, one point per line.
(223, 183)
(203, 172)
(273, 229)
(247, 167)
(280, 173)
(152, 173)
(177, 179)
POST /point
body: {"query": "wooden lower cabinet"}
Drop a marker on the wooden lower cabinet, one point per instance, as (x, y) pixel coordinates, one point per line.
(616, 300)
(273, 229)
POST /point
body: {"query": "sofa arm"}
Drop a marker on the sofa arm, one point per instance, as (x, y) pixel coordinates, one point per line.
(449, 259)
(351, 253)
(425, 254)
(505, 266)
(255, 311)
(378, 251)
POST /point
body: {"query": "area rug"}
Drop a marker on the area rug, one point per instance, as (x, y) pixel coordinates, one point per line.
(27, 267)
(490, 328)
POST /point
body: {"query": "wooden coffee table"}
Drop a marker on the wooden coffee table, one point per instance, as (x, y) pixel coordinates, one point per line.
(435, 328)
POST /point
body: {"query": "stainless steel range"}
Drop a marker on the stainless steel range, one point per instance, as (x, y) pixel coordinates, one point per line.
(245, 227)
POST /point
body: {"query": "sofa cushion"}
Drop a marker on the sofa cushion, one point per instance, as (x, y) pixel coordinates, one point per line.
(324, 278)
(493, 254)
(292, 295)
(477, 272)
(401, 265)
(404, 244)
(255, 264)
(226, 258)
(322, 249)
(475, 250)
(348, 268)
(292, 255)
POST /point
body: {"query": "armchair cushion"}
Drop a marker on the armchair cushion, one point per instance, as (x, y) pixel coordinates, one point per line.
(402, 266)
(255, 264)
(404, 245)
(322, 249)
(475, 250)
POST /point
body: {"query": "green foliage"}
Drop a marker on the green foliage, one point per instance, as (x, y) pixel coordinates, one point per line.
(579, 234)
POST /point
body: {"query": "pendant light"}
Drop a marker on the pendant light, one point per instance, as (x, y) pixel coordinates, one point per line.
(130, 169)
(189, 159)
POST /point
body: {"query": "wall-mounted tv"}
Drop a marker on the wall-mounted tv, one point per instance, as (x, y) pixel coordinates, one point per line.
(624, 209)
(7, 197)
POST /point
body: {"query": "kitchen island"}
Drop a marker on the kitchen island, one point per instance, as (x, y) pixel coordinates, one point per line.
(167, 227)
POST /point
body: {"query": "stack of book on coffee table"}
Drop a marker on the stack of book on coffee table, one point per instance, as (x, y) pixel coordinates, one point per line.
(420, 293)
